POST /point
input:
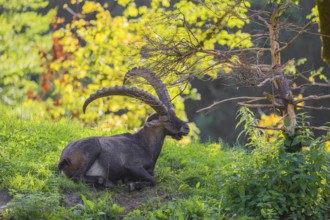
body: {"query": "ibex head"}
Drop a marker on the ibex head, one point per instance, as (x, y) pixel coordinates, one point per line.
(173, 126)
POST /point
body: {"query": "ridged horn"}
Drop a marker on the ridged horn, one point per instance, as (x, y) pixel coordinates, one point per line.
(154, 81)
(133, 92)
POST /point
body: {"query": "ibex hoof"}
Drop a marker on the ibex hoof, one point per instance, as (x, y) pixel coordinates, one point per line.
(101, 181)
(131, 187)
(136, 186)
(76, 178)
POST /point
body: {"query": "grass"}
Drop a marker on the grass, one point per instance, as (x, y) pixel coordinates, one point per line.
(195, 181)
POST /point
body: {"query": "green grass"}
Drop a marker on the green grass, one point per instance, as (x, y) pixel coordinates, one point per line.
(195, 181)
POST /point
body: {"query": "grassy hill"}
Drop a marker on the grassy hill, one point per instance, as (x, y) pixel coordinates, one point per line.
(195, 181)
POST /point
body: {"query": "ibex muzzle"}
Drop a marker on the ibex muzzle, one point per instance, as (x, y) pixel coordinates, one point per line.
(125, 157)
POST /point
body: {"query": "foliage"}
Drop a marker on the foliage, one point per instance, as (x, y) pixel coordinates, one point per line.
(34, 206)
(24, 34)
(91, 52)
(182, 38)
(279, 185)
(41, 206)
(101, 208)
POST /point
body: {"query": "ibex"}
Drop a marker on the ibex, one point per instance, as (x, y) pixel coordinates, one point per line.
(102, 161)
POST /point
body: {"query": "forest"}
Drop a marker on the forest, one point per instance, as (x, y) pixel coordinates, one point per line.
(160, 109)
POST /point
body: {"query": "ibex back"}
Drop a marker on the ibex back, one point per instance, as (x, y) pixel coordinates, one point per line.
(125, 157)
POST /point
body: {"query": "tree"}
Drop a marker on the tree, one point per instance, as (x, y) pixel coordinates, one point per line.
(204, 40)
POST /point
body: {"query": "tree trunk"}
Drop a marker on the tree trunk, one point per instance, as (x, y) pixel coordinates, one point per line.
(281, 83)
(324, 14)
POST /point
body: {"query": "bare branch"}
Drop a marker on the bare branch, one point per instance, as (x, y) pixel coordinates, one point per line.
(259, 105)
(315, 108)
(312, 84)
(267, 80)
(264, 21)
(299, 127)
(249, 49)
(231, 99)
(312, 97)
(314, 128)
(268, 128)
(295, 37)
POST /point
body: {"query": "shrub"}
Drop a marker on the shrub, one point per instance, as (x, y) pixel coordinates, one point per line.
(277, 185)
(30, 207)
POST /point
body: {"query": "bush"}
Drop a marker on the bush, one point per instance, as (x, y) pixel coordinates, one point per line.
(278, 185)
(30, 207)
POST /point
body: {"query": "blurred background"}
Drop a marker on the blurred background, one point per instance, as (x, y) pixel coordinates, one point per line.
(55, 53)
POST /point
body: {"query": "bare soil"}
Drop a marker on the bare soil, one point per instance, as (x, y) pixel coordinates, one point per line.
(5, 197)
(133, 200)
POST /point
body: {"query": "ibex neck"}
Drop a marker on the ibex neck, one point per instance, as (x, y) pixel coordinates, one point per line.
(152, 138)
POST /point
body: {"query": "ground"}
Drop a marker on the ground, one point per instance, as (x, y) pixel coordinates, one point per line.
(121, 196)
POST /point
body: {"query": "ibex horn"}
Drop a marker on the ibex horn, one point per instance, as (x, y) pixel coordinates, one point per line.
(154, 80)
(133, 92)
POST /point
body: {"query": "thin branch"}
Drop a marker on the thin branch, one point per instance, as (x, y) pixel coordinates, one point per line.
(73, 13)
(267, 80)
(256, 99)
(268, 128)
(312, 84)
(325, 140)
(295, 37)
(314, 128)
(230, 99)
(312, 97)
(299, 127)
(315, 108)
(259, 105)
(249, 49)
(264, 21)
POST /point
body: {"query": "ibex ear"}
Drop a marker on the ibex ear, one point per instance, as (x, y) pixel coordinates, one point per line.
(156, 120)
(153, 123)
(163, 118)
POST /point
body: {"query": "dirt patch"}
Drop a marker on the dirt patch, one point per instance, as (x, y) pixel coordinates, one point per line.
(5, 197)
(134, 200)
(72, 199)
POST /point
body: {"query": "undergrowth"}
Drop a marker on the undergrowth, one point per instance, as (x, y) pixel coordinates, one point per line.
(195, 181)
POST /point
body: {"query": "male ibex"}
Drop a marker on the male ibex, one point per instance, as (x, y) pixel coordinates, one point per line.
(125, 157)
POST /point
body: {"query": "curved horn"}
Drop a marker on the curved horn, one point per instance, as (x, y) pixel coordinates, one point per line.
(154, 80)
(133, 92)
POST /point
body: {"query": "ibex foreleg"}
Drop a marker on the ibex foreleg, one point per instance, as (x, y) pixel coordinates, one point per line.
(140, 174)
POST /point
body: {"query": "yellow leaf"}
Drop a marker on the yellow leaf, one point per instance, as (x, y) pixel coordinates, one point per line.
(327, 146)
(311, 79)
(123, 2)
(90, 7)
(226, 70)
(132, 11)
(143, 9)
(166, 3)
